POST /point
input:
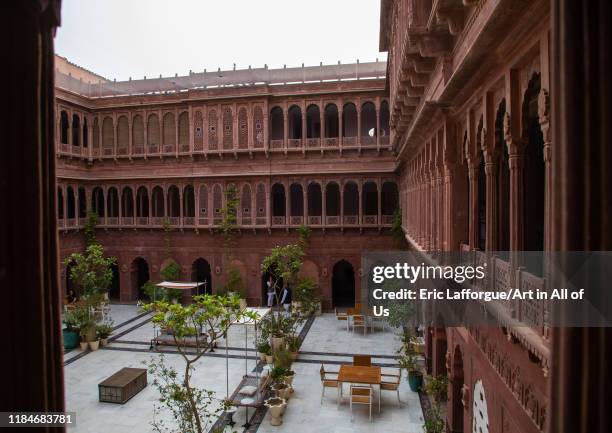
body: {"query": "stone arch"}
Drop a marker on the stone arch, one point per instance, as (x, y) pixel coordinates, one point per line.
(169, 132)
(107, 135)
(368, 121)
(260, 203)
(370, 198)
(258, 127)
(315, 199)
(294, 122)
(503, 181)
(97, 201)
(137, 135)
(203, 210)
(174, 202)
(349, 120)
(217, 203)
(277, 126)
(112, 202)
(228, 128)
(183, 131)
(278, 200)
(481, 199)
(85, 133)
(533, 171)
(201, 272)
(64, 126)
(456, 397)
(351, 199)
(296, 199)
(212, 129)
(331, 121)
(127, 202)
(157, 202)
(76, 130)
(384, 119)
(70, 203)
(60, 203)
(139, 275)
(142, 202)
(188, 201)
(153, 133)
(343, 284)
(82, 200)
(313, 121)
(389, 197)
(123, 135)
(245, 205)
(332, 199)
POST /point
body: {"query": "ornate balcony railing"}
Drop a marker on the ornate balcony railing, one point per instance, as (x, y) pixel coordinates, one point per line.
(332, 220)
(351, 220)
(294, 143)
(296, 220)
(277, 144)
(314, 220)
(313, 142)
(128, 221)
(278, 220)
(369, 219)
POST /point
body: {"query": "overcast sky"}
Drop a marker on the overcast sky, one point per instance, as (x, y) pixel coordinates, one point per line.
(133, 38)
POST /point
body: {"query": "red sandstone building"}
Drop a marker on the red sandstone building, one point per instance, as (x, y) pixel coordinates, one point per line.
(459, 130)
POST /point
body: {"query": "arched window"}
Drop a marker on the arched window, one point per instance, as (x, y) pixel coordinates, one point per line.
(533, 172)
(482, 191)
(228, 128)
(123, 135)
(127, 203)
(332, 199)
(389, 198)
(368, 123)
(107, 135)
(277, 126)
(370, 198)
(245, 204)
(82, 202)
(183, 131)
(153, 140)
(258, 127)
(349, 120)
(85, 133)
(296, 199)
(169, 132)
(60, 203)
(96, 136)
(174, 202)
(112, 202)
(217, 204)
(63, 127)
(142, 202)
(158, 202)
(331, 121)
(260, 203)
(351, 200)
(503, 181)
(313, 121)
(70, 203)
(315, 201)
(384, 119)
(243, 128)
(138, 135)
(278, 200)
(188, 202)
(203, 204)
(295, 123)
(97, 201)
(76, 130)
(212, 129)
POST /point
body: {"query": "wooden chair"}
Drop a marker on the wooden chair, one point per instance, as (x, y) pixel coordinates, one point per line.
(342, 316)
(359, 321)
(329, 379)
(361, 395)
(362, 360)
(391, 382)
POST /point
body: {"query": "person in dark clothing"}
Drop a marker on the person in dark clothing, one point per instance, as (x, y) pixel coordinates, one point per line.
(286, 299)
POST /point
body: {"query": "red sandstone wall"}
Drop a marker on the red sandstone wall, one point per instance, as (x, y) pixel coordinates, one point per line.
(325, 250)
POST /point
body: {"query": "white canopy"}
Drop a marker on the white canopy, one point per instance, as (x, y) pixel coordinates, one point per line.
(179, 286)
(261, 312)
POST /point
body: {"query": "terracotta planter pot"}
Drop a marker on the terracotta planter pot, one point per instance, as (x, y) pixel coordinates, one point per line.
(282, 390)
(103, 341)
(94, 345)
(289, 379)
(84, 345)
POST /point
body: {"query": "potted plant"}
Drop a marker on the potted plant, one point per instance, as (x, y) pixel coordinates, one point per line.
(277, 406)
(282, 390)
(104, 330)
(278, 373)
(264, 349)
(415, 376)
(70, 332)
(289, 376)
(94, 344)
(437, 387)
(293, 345)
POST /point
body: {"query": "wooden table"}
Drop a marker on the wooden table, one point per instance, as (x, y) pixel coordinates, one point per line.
(122, 385)
(361, 375)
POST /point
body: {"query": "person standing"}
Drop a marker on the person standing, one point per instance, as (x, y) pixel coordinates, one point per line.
(271, 291)
(286, 299)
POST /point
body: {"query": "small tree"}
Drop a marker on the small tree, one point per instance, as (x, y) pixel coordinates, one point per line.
(90, 228)
(210, 315)
(91, 271)
(229, 229)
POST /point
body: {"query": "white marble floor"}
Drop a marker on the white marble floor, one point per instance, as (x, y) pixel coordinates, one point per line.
(327, 341)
